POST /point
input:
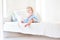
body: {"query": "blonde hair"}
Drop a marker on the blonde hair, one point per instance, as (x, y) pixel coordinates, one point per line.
(30, 8)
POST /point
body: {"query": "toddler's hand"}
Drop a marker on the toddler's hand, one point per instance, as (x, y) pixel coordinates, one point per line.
(27, 25)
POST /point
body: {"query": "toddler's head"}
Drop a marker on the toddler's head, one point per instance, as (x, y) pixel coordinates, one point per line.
(30, 10)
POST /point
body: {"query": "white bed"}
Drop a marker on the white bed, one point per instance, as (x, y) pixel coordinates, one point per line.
(42, 28)
(35, 28)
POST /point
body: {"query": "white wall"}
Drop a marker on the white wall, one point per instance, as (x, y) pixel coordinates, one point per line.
(50, 11)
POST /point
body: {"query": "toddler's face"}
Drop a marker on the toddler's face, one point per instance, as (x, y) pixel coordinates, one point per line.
(29, 10)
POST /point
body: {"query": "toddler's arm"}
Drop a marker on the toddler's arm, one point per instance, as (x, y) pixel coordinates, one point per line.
(29, 23)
